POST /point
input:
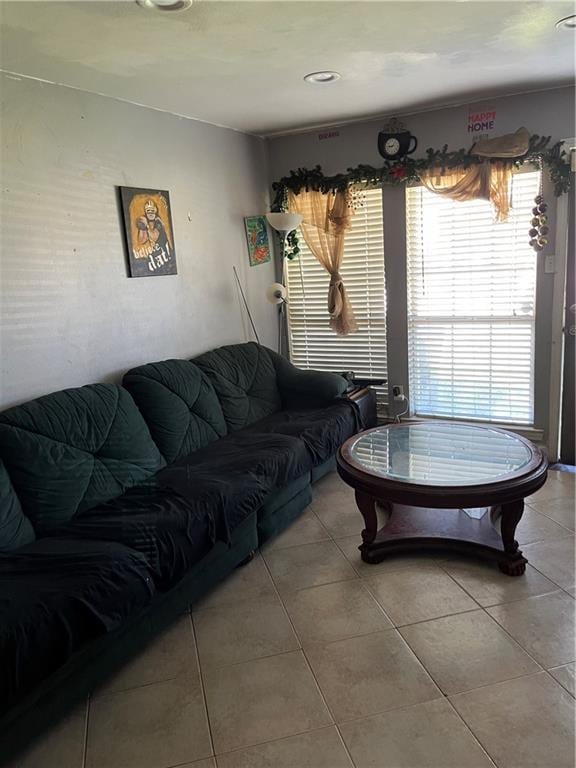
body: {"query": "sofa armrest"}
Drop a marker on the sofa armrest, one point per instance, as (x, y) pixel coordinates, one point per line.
(306, 386)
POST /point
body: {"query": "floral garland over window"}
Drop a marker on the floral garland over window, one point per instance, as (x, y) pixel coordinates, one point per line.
(411, 170)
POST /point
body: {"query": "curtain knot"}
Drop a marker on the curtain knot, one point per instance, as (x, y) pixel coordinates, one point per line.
(335, 279)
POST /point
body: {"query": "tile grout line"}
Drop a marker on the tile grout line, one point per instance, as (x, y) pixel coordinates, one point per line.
(435, 618)
(565, 589)
(518, 599)
(202, 686)
(477, 687)
(345, 746)
(500, 627)
(324, 584)
(513, 639)
(390, 629)
(137, 686)
(463, 588)
(501, 682)
(301, 649)
(214, 667)
(362, 584)
(444, 698)
(515, 600)
(471, 732)
(246, 747)
(321, 693)
(313, 586)
(551, 676)
(539, 511)
(85, 745)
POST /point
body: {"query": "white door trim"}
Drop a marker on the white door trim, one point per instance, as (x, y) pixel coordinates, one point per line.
(558, 309)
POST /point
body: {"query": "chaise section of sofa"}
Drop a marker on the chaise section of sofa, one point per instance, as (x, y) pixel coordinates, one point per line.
(57, 596)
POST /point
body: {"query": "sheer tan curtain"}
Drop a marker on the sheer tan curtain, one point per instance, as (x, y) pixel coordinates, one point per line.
(486, 181)
(325, 219)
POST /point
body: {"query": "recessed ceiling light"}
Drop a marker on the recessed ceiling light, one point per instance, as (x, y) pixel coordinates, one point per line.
(165, 5)
(322, 77)
(568, 22)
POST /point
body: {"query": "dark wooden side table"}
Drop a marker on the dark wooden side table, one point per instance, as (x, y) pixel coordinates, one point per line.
(442, 485)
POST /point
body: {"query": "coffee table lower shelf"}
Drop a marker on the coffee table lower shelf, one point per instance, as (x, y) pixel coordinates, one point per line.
(471, 532)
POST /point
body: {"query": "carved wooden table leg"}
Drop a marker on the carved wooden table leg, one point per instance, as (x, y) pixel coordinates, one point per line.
(367, 506)
(515, 565)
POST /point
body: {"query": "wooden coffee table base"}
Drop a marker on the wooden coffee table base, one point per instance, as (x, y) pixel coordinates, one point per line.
(410, 528)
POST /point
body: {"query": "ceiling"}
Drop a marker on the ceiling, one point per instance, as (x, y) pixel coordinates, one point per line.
(241, 64)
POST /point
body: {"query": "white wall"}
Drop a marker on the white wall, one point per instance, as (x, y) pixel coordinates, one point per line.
(69, 313)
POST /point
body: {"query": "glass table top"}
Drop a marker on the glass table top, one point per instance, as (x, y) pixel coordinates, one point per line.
(439, 454)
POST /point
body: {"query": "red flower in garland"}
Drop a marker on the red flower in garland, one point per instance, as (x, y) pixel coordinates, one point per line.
(399, 172)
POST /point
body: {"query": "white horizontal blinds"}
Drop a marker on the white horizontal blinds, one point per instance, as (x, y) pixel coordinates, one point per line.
(313, 344)
(471, 306)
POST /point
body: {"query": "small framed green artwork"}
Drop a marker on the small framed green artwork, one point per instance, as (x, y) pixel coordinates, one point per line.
(257, 237)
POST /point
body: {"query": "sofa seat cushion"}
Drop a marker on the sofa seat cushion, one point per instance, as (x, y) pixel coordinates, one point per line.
(171, 532)
(179, 404)
(238, 473)
(321, 429)
(244, 377)
(175, 519)
(56, 596)
(70, 450)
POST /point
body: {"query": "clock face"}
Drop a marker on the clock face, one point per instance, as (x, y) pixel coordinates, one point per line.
(392, 146)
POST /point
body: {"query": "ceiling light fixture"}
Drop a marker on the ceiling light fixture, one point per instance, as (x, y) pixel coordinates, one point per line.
(165, 5)
(568, 22)
(319, 78)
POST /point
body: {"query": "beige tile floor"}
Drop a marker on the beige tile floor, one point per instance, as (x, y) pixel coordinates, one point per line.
(310, 658)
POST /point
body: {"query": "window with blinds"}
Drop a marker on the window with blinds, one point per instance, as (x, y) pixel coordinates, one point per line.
(313, 344)
(471, 306)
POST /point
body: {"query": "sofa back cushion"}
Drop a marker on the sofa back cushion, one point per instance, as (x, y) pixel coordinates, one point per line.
(70, 450)
(244, 378)
(179, 404)
(15, 528)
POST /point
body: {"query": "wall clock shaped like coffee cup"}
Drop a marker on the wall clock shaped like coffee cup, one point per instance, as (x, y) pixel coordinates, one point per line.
(394, 141)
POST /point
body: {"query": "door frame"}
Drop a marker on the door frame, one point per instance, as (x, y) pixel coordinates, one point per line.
(558, 311)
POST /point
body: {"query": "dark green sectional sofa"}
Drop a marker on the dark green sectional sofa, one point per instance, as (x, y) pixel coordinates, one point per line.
(121, 506)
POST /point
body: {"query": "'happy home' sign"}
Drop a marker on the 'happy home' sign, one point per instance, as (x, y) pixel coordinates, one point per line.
(481, 123)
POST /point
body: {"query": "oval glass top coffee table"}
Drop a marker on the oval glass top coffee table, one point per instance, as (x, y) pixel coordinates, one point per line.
(442, 485)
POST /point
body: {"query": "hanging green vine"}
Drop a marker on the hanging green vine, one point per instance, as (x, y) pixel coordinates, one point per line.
(407, 170)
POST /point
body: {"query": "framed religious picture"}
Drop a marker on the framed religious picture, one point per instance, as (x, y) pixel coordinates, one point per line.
(257, 236)
(149, 231)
